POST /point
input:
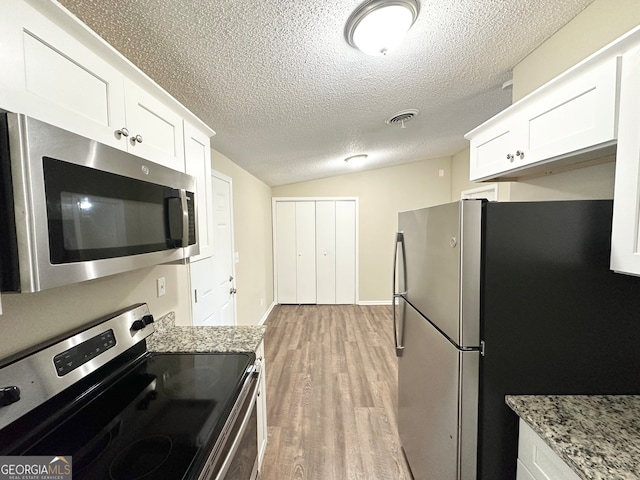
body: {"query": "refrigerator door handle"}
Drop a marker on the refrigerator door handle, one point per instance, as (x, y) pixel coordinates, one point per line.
(397, 296)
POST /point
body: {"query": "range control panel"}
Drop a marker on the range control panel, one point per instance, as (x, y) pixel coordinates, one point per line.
(86, 351)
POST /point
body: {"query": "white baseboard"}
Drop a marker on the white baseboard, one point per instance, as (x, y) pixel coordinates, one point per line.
(266, 314)
(374, 302)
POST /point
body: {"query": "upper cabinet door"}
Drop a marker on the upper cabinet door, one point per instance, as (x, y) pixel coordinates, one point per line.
(625, 240)
(568, 120)
(578, 113)
(493, 150)
(197, 160)
(155, 131)
(51, 76)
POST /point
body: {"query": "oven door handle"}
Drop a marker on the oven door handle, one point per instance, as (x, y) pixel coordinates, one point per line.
(254, 377)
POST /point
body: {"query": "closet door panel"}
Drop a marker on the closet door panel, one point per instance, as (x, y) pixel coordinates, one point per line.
(325, 251)
(305, 227)
(286, 254)
(345, 228)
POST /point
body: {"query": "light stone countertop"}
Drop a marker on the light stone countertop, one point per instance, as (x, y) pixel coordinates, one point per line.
(169, 337)
(598, 436)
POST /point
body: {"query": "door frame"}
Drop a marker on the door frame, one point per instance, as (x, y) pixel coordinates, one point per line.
(274, 200)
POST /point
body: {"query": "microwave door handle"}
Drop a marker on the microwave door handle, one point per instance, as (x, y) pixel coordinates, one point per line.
(185, 218)
(397, 296)
(175, 220)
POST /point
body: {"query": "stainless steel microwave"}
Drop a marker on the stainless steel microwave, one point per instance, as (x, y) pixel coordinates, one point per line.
(72, 209)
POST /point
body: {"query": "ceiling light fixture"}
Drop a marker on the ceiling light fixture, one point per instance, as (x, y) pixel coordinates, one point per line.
(377, 26)
(356, 160)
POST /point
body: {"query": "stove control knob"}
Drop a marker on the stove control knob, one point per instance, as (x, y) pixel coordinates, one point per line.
(138, 325)
(147, 319)
(9, 395)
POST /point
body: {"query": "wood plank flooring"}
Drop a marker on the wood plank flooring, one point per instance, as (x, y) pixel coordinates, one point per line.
(331, 394)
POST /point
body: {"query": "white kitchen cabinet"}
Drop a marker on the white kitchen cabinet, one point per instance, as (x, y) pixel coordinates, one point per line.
(197, 162)
(572, 115)
(625, 238)
(261, 406)
(155, 130)
(537, 461)
(59, 71)
(57, 79)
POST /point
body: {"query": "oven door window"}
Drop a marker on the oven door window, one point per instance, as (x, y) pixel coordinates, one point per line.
(94, 214)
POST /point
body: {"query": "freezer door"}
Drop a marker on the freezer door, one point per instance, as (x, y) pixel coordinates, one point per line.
(437, 402)
(442, 247)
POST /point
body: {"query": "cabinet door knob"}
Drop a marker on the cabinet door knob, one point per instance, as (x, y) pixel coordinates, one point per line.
(520, 154)
(510, 157)
(122, 132)
(137, 138)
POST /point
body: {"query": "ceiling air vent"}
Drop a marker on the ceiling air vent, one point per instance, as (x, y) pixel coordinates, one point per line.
(401, 118)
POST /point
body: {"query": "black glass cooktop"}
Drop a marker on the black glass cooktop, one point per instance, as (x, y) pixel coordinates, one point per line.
(158, 421)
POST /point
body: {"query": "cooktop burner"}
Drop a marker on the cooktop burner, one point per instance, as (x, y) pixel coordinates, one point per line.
(158, 421)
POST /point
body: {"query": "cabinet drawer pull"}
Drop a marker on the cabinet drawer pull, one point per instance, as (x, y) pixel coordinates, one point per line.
(137, 138)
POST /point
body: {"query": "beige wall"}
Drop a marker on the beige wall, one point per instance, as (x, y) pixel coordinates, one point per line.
(382, 194)
(252, 231)
(31, 318)
(596, 26)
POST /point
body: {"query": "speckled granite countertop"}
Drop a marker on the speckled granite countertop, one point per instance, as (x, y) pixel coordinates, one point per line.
(170, 337)
(597, 436)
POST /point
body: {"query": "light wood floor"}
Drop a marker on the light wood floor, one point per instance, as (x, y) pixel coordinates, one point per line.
(331, 394)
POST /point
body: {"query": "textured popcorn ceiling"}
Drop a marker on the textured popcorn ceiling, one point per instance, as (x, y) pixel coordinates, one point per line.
(290, 99)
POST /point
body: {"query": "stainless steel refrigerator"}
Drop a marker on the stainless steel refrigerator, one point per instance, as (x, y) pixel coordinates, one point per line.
(493, 299)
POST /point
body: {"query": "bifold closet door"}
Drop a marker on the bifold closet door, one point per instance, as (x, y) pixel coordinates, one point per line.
(306, 251)
(345, 252)
(326, 251)
(287, 256)
(295, 250)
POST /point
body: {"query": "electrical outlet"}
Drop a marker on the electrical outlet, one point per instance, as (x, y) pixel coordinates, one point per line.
(162, 286)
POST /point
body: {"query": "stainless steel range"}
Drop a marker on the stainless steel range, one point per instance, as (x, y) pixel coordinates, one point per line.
(123, 413)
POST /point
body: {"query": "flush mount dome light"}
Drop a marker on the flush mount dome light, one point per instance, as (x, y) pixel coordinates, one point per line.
(377, 26)
(356, 160)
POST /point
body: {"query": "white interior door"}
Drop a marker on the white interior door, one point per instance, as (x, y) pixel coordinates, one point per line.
(325, 251)
(223, 255)
(306, 252)
(345, 261)
(286, 255)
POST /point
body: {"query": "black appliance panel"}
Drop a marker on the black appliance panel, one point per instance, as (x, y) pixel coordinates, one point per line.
(158, 421)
